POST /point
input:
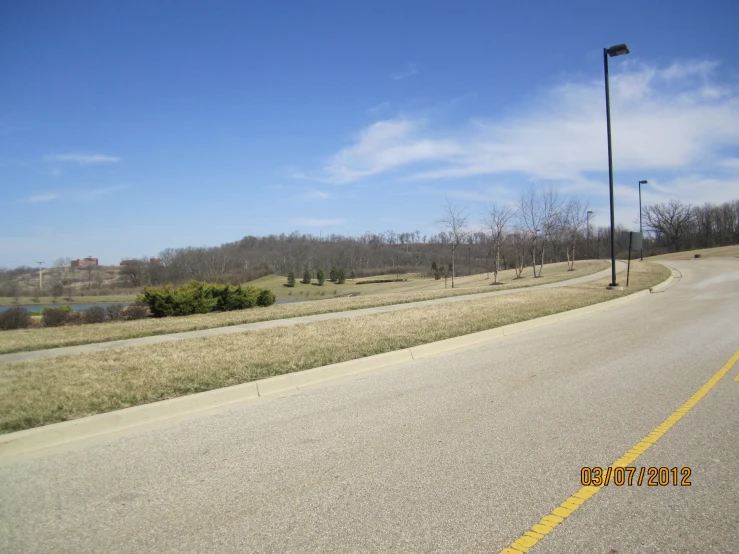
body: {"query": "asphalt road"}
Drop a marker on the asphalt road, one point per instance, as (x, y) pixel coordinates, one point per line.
(462, 452)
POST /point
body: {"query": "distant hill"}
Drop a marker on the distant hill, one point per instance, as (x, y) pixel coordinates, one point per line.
(25, 281)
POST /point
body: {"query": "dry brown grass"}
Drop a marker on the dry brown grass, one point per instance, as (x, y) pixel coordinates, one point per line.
(23, 340)
(49, 390)
(718, 252)
(25, 301)
(415, 283)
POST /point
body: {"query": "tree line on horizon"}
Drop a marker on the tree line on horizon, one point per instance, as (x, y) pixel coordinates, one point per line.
(543, 227)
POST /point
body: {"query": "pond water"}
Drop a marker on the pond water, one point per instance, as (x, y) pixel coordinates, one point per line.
(39, 307)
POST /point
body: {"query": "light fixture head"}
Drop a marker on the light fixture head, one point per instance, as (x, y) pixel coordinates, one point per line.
(618, 50)
(643, 182)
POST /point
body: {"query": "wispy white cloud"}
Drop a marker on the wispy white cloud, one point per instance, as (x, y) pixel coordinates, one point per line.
(82, 159)
(488, 194)
(410, 71)
(39, 198)
(378, 108)
(55, 172)
(301, 176)
(730, 162)
(92, 194)
(74, 195)
(678, 118)
(318, 195)
(317, 222)
(701, 68)
(386, 145)
(693, 188)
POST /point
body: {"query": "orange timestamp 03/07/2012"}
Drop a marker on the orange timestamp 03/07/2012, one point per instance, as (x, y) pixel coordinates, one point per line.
(630, 476)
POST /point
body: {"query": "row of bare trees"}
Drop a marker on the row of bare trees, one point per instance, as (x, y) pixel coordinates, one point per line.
(542, 226)
(680, 226)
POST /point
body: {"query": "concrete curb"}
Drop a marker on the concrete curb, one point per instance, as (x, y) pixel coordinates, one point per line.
(20, 443)
(672, 280)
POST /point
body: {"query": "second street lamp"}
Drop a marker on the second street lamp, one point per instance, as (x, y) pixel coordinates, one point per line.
(587, 238)
(641, 254)
(618, 50)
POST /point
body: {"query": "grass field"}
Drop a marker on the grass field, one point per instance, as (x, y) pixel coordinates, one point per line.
(413, 291)
(87, 299)
(718, 252)
(50, 390)
(415, 283)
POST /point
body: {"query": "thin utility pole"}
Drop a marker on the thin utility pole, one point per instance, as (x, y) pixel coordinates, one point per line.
(40, 276)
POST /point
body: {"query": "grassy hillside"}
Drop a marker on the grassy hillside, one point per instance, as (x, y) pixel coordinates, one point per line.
(102, 281)
(35, 339)
(718, 252)
(79, 297)
(415, 283)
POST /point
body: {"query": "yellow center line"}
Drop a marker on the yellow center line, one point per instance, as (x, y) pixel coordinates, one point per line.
(564, 510)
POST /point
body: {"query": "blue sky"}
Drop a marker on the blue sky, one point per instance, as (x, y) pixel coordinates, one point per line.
(130, 127)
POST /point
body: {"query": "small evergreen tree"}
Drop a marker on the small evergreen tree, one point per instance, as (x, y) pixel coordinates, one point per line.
(341, 276)
(291, 279)
(321, 276)
(333, 274)
(434, 267)
(306, 277)
(352, 275)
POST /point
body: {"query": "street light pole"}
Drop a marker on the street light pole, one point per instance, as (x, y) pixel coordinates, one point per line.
(587, 240)
(618, 50)
(641, 254)
(40, 277)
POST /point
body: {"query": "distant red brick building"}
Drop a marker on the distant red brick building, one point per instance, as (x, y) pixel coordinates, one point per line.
(152, 261)
(86, 262)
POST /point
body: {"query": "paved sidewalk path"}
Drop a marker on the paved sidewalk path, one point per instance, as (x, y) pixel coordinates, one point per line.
(98, 346)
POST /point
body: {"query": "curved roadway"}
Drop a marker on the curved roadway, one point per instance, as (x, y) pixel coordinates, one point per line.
(463, 452)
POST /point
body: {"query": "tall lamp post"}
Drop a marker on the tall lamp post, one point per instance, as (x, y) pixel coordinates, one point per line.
(641, 254)
(587, 240)
(613, 51)
(40, 277)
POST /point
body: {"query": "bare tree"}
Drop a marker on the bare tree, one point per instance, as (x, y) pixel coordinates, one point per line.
(551, 214)
(454, 223)
(62, 263)
(135, 271)
(496, 220)
(519, 242)
(57, 290)
(215, 263)
(672, 221)
(575, 217)
(89, 269)
(99, 280)
(531, 221)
